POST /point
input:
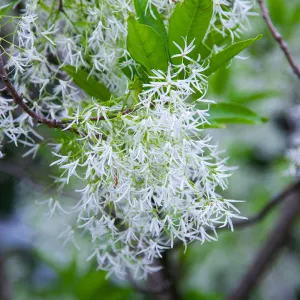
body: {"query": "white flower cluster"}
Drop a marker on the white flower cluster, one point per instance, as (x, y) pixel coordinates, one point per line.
(89, 34)
(293, 156)
(148, 175)
(233, 16)
(293, 153)
(15, 128)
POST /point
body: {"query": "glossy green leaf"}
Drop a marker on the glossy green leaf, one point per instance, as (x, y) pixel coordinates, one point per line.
(88, 83)
(151, 18)
(230, 113)
(190, 20)
(146, 46)
(222, 58)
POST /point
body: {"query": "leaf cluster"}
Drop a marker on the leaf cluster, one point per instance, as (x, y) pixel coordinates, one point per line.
(151, 43)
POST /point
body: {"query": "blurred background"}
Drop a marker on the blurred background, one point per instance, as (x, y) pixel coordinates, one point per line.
(36, 263)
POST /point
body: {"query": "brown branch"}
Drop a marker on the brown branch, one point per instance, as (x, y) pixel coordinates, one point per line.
(277, 36)
(60, 5)
(18, 99)
(276, 241)
(5, 288)
(163, 280)
(169, 271)
(51, 123)
(160, 284)
(268, 207)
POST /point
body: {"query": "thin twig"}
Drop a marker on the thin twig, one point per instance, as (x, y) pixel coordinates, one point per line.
(268, 207)
(18, 99)
(277, 36)
(272, 204)
(51, 123)
(266, 255)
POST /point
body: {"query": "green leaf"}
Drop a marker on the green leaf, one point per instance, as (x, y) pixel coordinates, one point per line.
(253, 96)
(88, 83)
(82, 24)
(146, 17)
(146, 46)
(221, 59)
(214, 38)
(219, 82)
(4, 9)
(228, 112)
(196, 295)
(94, 285)
(279, 12)
(78, 284)
(190, 20)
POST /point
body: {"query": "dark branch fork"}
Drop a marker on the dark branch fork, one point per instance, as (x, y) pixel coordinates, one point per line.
(277, 36)
(269, 206)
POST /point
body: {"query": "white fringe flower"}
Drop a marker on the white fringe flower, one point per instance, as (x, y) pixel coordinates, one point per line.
(146, 177)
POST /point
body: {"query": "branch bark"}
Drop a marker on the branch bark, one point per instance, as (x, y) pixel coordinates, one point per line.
(160, 284)
(60, 5)
(268, 207)
(277, 239)
(51, 123)
(5, 291)
(164, 280)
(278, 37)
(18, 99)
